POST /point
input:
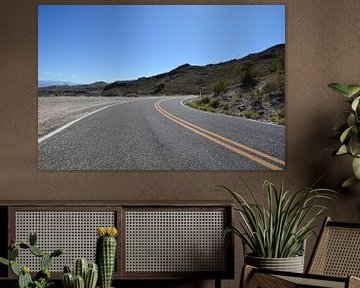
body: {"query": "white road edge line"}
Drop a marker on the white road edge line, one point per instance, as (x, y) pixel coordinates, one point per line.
(47, 136)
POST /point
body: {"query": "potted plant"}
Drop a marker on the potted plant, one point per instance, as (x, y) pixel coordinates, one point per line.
(42, 278)
(349, 132)
(276, 233)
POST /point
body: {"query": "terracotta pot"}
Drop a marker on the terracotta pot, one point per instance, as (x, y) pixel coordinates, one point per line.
(291, 264)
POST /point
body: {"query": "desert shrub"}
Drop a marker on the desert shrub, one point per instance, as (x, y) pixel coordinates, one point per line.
(207, 108)
(251, 114)
(250, 70)
(202, 104)
(273, 83)
(278, 64)
(278, 116)
(199, 102)
(58, 92)
(226, 106)
(204, 100)
(257, 96)
(220, 86)
(248, 74)
(214, 103)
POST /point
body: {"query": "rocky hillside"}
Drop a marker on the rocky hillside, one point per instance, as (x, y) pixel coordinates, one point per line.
(258, 91)
(188, 79)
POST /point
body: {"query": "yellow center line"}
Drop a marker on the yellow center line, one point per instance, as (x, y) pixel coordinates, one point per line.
(242, 146)
(207, 134)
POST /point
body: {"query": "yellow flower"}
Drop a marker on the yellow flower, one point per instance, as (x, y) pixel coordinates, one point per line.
(106, 231)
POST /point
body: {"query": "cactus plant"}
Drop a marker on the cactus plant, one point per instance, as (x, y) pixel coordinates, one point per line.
(91, 276)
(42, 278)
(24, 277)
(84, 274)
(105, 254)
(45, 261)
(68, 280)
(32, 239)
(79, 282)
(80, 268)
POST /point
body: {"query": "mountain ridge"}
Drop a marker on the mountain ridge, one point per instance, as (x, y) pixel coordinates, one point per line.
(191, 79)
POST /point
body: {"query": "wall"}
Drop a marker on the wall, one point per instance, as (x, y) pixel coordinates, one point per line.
(322, 46)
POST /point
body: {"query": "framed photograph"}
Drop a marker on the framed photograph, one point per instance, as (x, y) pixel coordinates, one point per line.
(161, 87)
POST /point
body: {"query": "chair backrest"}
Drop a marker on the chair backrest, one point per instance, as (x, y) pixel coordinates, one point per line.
(337, 251)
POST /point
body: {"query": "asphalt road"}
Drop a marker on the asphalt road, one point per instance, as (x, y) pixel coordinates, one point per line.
(159, 133)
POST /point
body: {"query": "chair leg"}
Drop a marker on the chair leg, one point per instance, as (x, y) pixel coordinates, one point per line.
(354, 282)
(246, 273)
(217, 283)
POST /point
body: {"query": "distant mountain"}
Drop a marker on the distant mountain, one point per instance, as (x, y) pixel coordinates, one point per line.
(46, 83)
(92, 89)
(187, 79)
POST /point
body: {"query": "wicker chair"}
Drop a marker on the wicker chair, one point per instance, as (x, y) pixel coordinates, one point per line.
(334, 263)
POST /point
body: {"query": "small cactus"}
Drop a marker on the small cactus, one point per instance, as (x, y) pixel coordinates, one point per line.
(14, 268)
(44, 273)
(32, 239)
(68, 280)
(24, 280)
(88, 273)
(36, 251)
(45, 261)
(79, 282)
(23, 273)
(91, 276)
(57, 252)
(24, 246)
(81, 266)
(67, 269)
(106, 254)
(13, 253)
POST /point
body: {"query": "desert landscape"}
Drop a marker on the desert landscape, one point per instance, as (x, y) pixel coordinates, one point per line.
(252, 87)
(54, 112)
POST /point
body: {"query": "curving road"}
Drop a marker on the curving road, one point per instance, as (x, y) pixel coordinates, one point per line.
(159, 133)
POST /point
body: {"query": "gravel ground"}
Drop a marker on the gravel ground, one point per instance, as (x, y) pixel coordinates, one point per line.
(54, 112)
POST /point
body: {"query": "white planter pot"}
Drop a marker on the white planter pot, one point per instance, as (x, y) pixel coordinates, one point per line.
(291, 264)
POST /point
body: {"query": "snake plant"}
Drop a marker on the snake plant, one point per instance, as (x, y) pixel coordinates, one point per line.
(279, 228)
(349, 131)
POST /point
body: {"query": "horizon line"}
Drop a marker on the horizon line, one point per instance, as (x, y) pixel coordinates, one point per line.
(134, 79)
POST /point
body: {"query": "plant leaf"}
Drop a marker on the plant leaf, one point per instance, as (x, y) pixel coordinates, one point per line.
(345, 134)
(340, 88)
(355, 103)
(349, 182)
(351, 120)
(354, 143)
(356, 167)
(4, 261)
(342, 150)
(353, 90)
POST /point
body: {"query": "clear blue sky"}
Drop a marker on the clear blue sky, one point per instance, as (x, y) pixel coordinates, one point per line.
(88, 43)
